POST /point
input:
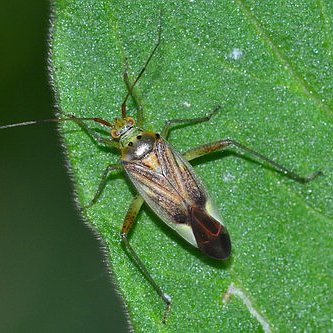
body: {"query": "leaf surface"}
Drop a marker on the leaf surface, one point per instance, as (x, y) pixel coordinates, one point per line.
(270, 67)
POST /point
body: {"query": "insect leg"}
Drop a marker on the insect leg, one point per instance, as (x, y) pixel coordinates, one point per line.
(132, 212)
(101, 186)
(169, 123)
(94, 135)
(219, 145)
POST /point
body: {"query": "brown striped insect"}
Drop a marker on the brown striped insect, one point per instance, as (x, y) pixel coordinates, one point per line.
(164, 178)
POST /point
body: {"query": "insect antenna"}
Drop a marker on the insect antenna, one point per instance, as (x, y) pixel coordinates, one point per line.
(57, 120)
(130, 90)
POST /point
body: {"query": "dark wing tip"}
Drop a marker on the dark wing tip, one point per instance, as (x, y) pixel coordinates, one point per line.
(222, 248)
(212, 237)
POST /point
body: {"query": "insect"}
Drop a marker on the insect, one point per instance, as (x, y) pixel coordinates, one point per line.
(164, 178)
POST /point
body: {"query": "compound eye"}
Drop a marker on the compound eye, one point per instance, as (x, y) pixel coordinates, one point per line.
(115, 134)
(130, 121)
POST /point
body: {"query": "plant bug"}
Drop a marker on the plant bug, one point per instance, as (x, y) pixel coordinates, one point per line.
(164, 178)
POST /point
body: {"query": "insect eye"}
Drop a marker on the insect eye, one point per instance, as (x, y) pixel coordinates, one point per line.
(115, 134)
(139, 137)
(130, 144)
(157, 135)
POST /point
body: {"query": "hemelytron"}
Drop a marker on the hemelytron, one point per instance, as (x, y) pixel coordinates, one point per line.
(164, 178)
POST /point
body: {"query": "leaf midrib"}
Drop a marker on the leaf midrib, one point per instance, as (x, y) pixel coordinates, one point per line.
(308, 91)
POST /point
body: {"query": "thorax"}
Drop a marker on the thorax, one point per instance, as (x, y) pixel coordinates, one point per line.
(138, 145)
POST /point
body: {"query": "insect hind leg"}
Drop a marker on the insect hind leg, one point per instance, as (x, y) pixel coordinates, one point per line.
(129, 221)
(222, 144)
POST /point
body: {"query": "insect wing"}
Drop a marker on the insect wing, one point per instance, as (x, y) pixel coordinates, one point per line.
(211, 236)
(168, 184)
(162, 198)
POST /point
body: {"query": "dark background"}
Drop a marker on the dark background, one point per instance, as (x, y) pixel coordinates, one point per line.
(52, 275)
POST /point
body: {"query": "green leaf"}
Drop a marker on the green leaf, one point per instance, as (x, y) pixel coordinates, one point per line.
(269, 64)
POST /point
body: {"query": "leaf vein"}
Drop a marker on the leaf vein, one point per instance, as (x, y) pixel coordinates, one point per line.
(304, 85)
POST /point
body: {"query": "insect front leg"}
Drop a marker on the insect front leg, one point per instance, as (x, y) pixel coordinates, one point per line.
(169, 123)
(108, 169)
(132, 212)
(219, 145)
(93, 134)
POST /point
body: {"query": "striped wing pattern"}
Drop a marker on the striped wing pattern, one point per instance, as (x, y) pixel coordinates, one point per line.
(168, 185)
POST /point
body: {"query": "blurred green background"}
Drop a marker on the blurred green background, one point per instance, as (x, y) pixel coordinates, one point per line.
(52, 275)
